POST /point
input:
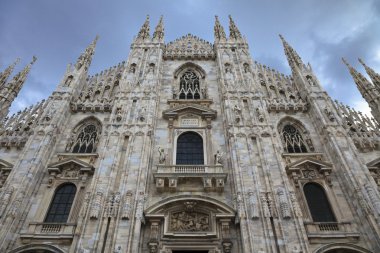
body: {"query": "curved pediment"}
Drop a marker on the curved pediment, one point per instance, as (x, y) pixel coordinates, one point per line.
(189, 47)
(184, 200)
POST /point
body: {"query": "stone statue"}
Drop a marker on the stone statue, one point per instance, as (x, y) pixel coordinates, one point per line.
(162, 155)
(237, 111)
(218, 158)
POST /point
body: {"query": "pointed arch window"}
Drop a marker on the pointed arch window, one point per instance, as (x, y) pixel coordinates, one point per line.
(86, 139)
(60, 206)
(318, 203)
(189, 86)
(190, 149)
(293, 140)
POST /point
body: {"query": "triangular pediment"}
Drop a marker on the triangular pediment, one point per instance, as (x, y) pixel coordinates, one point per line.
(5, 164)
(189, 47)
(195, 109)
(70, 161)
(307, 162)
(374, 164)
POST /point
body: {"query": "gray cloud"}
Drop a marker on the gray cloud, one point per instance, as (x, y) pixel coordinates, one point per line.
(58, 31)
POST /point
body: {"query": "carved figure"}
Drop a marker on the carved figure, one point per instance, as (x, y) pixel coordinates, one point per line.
(162, 155)
(218, 157)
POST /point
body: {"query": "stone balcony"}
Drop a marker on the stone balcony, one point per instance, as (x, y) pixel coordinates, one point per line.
(57, 232)
(317, 231)
(169, 177)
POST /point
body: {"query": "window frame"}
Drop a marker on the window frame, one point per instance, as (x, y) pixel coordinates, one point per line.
(73, 204)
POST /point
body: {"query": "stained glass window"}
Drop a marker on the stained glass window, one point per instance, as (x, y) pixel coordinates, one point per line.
(293, 141)
(189, 86)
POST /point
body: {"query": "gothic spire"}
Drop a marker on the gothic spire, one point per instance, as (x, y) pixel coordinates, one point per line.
(10, 90)
(7, 72)
(219, 33)
(86, 57)
(293, 58)
(144, 32)
(365, 87)
(234, 31)
(159, 30)
(375, 77)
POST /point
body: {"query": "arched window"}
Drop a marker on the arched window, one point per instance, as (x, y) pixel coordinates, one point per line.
(190, 149)
(318, 203)
(293, 141)
(60, 207)
(86, 138)
(189, 86)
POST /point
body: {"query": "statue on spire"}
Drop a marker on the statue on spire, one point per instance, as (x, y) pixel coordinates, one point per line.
(367, 89)
(7, 72)
(144, 32)
(293, 58)
(219, 33)
(86, 57)
(10, 90)
(159, 31)
(375, 77)
(234, 31)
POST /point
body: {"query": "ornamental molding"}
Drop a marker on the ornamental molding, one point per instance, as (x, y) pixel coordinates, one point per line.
(189, 47)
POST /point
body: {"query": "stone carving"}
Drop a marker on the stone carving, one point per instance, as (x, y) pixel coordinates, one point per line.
(229, 76)
(253, 204)
(15, 208)
(68, 81)
(237, 111)
(310, 80)
(185, 221)
(284, 206)
(189, 47)
(118, 249)
(112, 205)
(140, 207)
(96, 205)
(218, 157)
(227, 247)
(5, 200)
(265, 204)
(329, 114)
(162, 155)
(119, 114)
(240, 205)
(296, 207)
(260, 115)
(127, 206)
(373, 198)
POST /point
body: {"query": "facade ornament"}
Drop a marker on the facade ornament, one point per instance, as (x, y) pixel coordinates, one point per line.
(373, 197)
(5, 200)
(240, 205)
(265, 204)
(127, 206)
(310, 80)
(237, 111)
(140, 207)
(253, 204)
(15, 208)
(260, 115)
(296, 207)
(227, 247)
(329, 114)
(189, 221)
(162, 155)
(284, 206)
(218, 157)
(119, 114)
(96, 205)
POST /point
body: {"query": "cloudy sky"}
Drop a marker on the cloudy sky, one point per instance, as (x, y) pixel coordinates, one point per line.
(322, 31)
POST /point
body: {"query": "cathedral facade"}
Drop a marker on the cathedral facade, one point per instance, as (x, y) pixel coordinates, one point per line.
(189, 146)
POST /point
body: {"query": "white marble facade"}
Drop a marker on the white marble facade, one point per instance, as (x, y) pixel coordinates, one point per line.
(263, 139)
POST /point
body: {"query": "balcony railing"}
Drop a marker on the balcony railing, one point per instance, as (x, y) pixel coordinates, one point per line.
(190, 169)
(51, 231)
(167, 176)
(317, 230)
